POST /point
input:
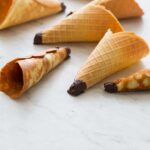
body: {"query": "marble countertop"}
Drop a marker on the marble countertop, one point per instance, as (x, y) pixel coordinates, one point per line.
(46, 117)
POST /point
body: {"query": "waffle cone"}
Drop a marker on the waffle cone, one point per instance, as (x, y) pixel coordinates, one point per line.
(114, 53)
(89, 24)
(14, 12)
(20, 74)
(122, 9)
(138, 81)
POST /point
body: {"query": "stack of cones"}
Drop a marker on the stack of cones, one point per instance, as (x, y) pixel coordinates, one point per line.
(114, 53)
(14, 12)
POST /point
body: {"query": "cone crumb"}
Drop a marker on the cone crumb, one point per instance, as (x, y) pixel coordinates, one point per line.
(70, 13)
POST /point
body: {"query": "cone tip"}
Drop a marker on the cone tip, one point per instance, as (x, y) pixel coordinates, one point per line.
(63, 7)
(110, 87)
(68, 50)
(77, 88)
(38, 38)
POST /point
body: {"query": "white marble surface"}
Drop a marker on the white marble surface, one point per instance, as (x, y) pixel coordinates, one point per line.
(46, 117)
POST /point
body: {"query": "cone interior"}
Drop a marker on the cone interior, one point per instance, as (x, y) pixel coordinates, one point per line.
(4, 8)
(12, 78)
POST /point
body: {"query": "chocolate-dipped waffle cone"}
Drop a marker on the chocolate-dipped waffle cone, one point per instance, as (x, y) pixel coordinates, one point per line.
(20, 74)
(122, 9)
(114, 53)
(89, 24)
(14, 12)
(139, 81)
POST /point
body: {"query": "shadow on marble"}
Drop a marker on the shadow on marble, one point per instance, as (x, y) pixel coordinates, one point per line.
(134, 24)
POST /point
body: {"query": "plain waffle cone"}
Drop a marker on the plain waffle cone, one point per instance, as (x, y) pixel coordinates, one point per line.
(14, 12)
(20, 74)
(86, 25)
(121, 8)
(139, 81)
(114, 53)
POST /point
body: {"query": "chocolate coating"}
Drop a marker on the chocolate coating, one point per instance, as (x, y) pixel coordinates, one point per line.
(68, 50)
(111, 87)
(63, 6)
(38, 38)
(77, 88)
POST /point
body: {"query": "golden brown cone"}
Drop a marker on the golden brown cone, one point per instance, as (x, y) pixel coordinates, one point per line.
(20, 74)
(114, 53)
(122, 9)
(138, 81)
(89, 24)
(14, 12)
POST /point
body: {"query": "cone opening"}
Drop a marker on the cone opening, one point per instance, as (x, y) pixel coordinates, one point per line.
(4, 7)
(12, 79)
